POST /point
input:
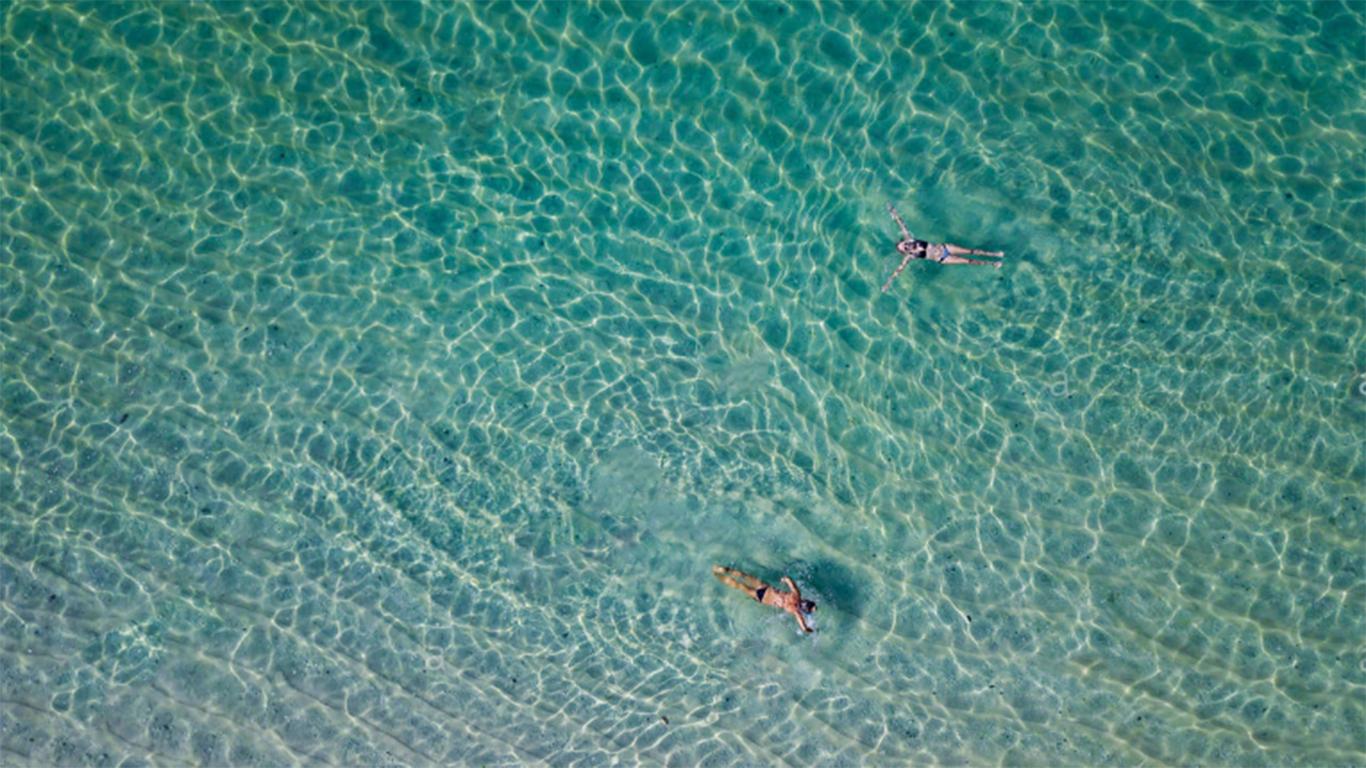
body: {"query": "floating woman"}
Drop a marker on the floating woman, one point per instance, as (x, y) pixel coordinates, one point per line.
(791, 602)
(944, 253)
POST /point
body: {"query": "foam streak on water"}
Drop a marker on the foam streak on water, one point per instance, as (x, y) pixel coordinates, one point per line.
(379, 383)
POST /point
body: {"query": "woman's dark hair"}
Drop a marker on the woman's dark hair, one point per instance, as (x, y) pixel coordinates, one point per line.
(809, 606)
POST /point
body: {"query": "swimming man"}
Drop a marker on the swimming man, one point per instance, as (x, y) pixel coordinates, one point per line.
(791, 602)
(944, 253)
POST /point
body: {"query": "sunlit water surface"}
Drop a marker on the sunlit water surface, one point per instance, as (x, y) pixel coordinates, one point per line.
(380, 382)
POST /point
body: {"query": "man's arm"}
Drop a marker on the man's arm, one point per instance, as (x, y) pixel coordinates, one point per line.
(905, 233)
(801, 619)
(792, 585)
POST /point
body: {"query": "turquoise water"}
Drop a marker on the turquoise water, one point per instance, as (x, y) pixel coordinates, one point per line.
(380, 383)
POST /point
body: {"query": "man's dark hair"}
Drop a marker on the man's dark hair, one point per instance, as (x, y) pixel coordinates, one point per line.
(808, 606)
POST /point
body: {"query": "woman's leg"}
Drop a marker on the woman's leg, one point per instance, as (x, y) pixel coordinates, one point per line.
(961, 260)
(957, 256)
(736, 579)
(958, 250)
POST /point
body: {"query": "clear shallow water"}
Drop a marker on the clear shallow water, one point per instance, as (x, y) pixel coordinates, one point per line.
(381, 382)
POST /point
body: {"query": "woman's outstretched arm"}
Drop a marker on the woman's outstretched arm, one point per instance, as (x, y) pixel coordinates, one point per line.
(907, 260)
(905, 233)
